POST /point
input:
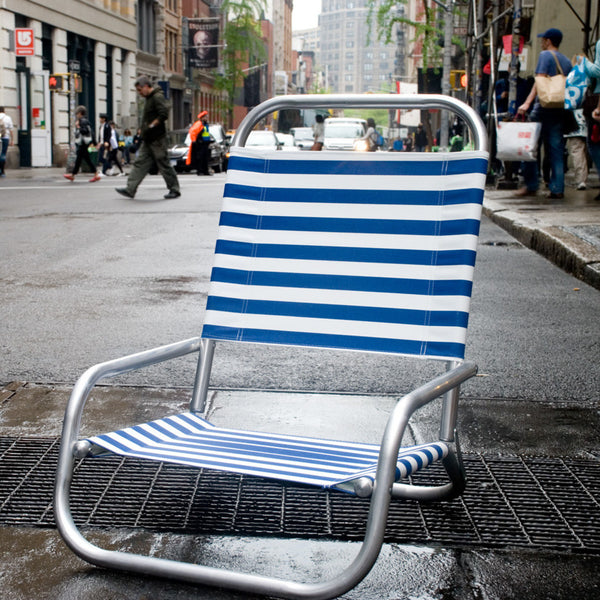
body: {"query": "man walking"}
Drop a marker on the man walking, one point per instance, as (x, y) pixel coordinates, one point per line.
(154, 142)
(552, 119)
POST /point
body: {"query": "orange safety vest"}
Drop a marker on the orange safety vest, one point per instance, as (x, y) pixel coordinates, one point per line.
(195, 131)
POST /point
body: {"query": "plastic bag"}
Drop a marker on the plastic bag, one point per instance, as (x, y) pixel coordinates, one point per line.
(517, 140)
(576, 84)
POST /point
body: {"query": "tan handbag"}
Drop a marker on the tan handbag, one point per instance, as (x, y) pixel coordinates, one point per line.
(551, 90)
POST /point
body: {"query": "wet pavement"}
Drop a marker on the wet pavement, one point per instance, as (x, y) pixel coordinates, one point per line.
(528, 526)
(528, 523)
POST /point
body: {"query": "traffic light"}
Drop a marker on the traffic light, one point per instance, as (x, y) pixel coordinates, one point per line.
(458, 79)
(56, 83)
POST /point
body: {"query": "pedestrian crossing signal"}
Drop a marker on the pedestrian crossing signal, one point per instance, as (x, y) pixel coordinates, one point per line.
(458, 79)
(55, 83)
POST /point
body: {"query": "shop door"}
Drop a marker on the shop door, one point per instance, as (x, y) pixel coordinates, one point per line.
(40, 119)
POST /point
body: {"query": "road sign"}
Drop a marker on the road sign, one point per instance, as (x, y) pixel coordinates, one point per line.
(24, 42)
(74, 66)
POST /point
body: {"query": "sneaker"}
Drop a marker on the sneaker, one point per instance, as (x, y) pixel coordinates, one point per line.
(69, 176)
(96, 177)
(582, 186)
(555, 195)
(125, 192)
(171, 194)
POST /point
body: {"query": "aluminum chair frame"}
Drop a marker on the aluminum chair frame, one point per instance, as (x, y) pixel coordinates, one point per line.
(384, 489)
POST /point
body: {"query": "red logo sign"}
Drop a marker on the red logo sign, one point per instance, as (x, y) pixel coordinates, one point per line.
(24, 42)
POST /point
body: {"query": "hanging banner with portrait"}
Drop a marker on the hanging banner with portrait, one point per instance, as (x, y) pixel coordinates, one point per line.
(203, 43)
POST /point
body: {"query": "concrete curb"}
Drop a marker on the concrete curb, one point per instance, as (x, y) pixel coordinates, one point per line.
(563, 248)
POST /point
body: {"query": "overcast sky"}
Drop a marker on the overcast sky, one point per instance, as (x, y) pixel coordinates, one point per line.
(305, 14)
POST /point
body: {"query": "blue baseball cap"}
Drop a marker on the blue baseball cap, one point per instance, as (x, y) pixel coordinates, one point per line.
(552, 34)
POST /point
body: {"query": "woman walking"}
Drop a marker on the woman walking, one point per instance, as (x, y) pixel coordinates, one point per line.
(83, 138)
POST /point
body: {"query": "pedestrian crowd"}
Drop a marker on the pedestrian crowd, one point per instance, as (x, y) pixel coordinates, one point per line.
(564, 131)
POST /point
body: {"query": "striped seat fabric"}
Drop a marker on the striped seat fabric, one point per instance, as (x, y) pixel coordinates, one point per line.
(188, 439)
(370, 252)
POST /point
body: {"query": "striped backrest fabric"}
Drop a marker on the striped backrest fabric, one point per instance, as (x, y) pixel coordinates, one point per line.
(371, 252)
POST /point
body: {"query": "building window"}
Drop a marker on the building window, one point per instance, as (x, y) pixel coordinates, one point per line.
(348, 77)
(171, 47)
(349, 88)
(368, 66)
(349, 67)
(349, 44)
(146, 26)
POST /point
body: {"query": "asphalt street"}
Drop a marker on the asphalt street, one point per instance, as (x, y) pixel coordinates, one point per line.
(88, 275)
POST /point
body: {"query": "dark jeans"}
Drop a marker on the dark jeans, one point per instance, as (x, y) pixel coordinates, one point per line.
(83, 156)
(113, 159)
(3, 152)
(554, 145)
(150, 153)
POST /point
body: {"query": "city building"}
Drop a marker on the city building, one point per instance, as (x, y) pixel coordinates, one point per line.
(199, 93)
(95, 39)
(355, 62)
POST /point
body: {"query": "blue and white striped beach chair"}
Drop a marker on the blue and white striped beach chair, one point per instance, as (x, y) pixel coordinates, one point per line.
(368, 252)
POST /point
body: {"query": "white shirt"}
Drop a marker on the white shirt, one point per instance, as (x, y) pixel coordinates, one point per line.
(8, 124)
(319, 132)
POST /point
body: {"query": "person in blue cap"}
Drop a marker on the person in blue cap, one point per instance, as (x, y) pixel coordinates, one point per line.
(552, 119)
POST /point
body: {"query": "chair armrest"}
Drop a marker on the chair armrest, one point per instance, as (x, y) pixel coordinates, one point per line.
(112, 368)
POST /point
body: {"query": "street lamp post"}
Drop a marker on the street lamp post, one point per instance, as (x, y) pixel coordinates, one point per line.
(447, 66)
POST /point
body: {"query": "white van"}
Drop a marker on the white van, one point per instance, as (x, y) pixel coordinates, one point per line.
(342, 132)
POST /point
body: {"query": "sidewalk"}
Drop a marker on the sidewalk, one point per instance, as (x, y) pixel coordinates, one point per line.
(528, 526)
(566, 231)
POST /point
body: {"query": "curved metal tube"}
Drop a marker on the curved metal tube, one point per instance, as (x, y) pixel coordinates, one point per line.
(408, 101)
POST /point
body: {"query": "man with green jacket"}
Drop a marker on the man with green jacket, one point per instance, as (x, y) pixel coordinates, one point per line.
(154, 142)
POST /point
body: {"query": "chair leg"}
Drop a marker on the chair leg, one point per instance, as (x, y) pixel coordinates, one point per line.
(455, 469)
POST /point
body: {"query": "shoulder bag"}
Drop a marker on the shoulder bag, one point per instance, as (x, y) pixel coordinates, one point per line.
(551, 89)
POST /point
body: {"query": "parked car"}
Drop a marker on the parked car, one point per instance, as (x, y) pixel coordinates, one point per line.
(287, 141)
(304, 137)
(341, 133)
(179, 144)
(263, 140)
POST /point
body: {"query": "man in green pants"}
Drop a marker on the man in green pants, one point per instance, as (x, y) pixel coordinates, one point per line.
(154, 142)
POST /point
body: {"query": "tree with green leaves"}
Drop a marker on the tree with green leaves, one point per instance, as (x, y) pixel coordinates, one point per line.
(430, 31)
(244, 45)
(384, 14)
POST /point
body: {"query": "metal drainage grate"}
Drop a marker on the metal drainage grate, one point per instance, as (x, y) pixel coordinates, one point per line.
(531, 502)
